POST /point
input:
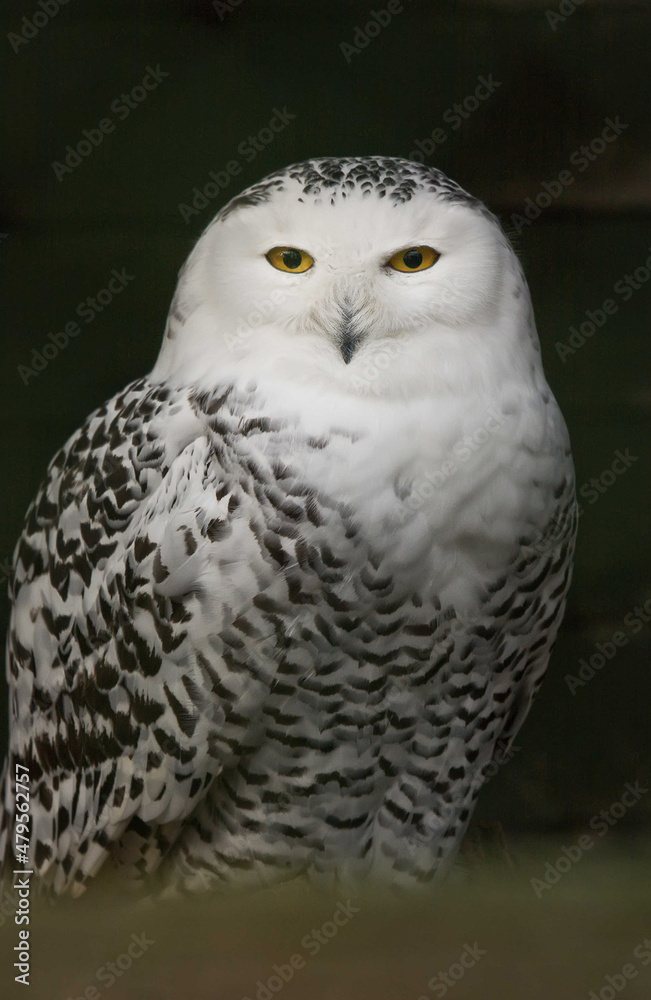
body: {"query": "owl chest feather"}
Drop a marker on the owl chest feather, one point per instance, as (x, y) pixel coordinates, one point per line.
(394, 627)
(435, 493)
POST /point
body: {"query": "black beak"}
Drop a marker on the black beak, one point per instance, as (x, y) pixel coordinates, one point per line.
(348, 344)
(350, 337)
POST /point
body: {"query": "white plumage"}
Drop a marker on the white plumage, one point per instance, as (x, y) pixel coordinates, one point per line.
(277, 606)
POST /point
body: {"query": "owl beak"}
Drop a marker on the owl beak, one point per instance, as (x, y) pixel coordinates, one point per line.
(348, 344)
(348, 340)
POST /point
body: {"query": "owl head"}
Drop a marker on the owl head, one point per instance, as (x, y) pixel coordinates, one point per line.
(360, 275)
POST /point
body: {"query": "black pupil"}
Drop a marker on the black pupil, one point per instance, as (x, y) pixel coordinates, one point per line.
(292, 258)
(413, 258)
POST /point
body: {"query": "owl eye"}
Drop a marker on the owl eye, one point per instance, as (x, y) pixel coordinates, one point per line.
(414, 259)
(290, 259)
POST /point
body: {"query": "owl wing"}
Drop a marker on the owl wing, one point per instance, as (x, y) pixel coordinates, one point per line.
(133, 677)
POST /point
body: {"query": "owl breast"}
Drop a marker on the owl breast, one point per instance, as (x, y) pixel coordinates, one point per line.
(381, 624)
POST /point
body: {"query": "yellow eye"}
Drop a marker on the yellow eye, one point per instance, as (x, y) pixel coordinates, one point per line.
(290, 259)
(414, 259)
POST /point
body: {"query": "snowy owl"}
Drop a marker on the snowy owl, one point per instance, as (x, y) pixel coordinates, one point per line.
(279, 605)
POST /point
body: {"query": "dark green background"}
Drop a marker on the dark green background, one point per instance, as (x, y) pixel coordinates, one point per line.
(120, 209)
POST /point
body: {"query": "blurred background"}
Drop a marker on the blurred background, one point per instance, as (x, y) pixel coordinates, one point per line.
(128, 125)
